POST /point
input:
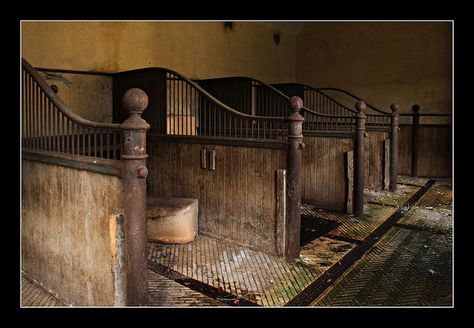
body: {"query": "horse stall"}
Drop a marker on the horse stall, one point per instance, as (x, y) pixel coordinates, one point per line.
(426, 144)
(330, 137)
(379, 125)
(83, 202)
(425, 139)
(239, 167)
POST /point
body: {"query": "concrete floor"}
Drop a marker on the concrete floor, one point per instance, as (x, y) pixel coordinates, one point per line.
(410, 264)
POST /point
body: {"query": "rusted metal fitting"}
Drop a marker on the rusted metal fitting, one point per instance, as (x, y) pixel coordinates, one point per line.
(135, 100)
(142, 171)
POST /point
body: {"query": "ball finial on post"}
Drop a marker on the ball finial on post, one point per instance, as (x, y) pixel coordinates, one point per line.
(415, 108)
(360, 106)
(135, 100)
(394, 107)
(296, 103)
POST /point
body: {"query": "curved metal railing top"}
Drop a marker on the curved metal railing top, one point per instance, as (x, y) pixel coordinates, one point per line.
(49, 125)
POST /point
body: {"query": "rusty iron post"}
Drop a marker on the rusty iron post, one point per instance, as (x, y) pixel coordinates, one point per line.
(414, 140)
(293, 167)
(135, 172)
(359, 159)
(394, 147)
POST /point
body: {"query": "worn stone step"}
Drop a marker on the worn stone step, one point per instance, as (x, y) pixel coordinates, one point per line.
(172, 220)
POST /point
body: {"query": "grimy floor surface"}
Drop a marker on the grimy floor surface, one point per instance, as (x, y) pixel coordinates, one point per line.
(409, 264)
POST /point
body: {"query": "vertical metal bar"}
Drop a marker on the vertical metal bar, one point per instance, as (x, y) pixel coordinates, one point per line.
(63, 133)
(240, 127)
(83, 133)
(294, 167)
(134, 177)
(94, 146)
(394, 148)
(107, 145)
(75, 139)
(101, 144)
(23, 107)
(28, 113)
(180, 99)
(114, 145)
(54, 128)
(359, 160)
(214, 121)
(43, 123)
(187, 108)
(35, 116)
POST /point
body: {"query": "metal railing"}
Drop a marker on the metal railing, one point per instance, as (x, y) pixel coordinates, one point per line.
(255, 97)
(49, 125)
(321, 102)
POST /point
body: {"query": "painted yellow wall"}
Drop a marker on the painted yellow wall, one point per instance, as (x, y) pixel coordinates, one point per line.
(195, 49)
(89, 96)
(382, 62)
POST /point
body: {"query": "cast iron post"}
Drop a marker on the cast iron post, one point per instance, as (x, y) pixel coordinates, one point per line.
(414, 140)
(293, 167)
(394, 148)
(359, 159)
(135, 172)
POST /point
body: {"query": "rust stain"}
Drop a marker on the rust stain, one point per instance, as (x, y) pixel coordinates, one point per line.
(112, 234)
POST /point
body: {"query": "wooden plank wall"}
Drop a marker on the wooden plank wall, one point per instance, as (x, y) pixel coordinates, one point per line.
(66, 230)
(324, 182)
(434, 151)
(404, 150)
(374, 159)
(237, 201)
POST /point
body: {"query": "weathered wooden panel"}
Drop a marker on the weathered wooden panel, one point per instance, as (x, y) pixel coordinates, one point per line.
(374, 159)
(404, 150)
(69, 232)
(237, 200)
(324, 182)
(435, 151)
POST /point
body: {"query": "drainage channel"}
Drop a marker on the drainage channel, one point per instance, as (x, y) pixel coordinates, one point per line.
(311, 292)
(198, 286)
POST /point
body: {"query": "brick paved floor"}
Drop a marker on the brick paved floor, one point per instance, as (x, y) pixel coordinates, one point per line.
(33, 295)
(167, 293)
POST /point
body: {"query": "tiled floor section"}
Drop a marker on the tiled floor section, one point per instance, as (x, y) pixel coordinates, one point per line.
(250, 275)
(406, 268)
(164, 292)
(410, 266)
(267, 280)
(349, 225)
(33, 295)
(374, 214)
(386, 198)
(408, 180)
(433, 211)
